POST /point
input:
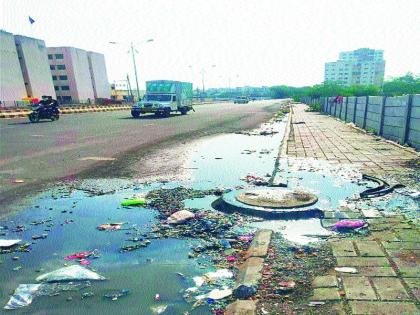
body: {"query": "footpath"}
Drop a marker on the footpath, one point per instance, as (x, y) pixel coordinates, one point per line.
(387, 277)
(373, 273)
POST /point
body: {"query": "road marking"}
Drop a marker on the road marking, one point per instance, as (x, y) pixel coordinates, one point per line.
(96, 158)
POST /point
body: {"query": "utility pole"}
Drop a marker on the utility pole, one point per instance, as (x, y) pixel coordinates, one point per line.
(202, 78)
(135, 72)
(130, 91)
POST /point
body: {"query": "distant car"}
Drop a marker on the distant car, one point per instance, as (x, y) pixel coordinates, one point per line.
(241, 100)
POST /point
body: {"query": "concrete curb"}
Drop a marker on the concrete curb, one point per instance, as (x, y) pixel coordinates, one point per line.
(65, 111)
(250, 272)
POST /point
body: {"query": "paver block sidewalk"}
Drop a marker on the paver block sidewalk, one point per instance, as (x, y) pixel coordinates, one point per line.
(326, 138)
(383, 308)
(390, 289)
(358, 288)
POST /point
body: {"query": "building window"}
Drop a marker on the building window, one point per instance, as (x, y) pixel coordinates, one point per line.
(56, 87)
(61, 67)
(65, 88)
(52, 67)
(54, 77)
(66, 99)
(63, 77)
(59, 56)
(50, 57)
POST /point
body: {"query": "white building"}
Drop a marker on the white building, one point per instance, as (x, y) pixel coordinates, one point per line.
(98, 75)
(12, 87)
(71, 75)
(363, 66)
(33, 60)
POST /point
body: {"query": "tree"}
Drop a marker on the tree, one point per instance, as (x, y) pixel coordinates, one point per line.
(407, 84)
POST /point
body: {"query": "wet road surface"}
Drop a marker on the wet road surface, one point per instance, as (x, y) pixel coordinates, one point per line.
(39, 154)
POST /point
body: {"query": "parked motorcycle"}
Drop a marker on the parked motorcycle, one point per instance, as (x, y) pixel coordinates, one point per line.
(45, 109)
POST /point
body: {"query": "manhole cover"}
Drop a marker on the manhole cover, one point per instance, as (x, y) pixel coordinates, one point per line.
(277, 198)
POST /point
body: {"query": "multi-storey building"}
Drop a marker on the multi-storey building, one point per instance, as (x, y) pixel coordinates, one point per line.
(363, 66)
(32, 55)
(98, 75)
(71, 75)
(12, 87)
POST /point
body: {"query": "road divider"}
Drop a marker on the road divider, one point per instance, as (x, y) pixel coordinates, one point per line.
(21, 113)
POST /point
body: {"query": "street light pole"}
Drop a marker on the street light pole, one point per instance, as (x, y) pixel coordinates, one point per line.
(135, 72)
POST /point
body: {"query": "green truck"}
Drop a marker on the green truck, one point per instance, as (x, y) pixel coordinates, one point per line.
(164, 97)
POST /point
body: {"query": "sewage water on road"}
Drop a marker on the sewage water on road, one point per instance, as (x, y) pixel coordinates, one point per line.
(68, 218)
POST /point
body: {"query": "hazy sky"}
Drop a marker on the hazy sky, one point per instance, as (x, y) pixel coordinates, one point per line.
(253, 42)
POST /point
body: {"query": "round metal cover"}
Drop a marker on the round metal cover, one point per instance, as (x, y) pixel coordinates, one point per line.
(277, 198)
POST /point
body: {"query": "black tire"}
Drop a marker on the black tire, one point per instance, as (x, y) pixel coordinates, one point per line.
(33, 117)
(184, 111)
(135, 114)
(167, 113)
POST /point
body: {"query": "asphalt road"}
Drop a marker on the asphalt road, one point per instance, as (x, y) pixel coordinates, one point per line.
(82, 145)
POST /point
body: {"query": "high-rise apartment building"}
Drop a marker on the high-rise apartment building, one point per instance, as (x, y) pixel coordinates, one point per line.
(363, 66)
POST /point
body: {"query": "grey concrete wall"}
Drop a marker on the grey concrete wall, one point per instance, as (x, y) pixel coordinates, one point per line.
(35, 66)
(12, 87)
(373, 114)
(393, 122)
(413, 137)
(98, 74)
(360, 111)
(395, 118)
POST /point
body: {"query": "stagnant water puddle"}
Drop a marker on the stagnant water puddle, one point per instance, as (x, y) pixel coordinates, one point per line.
(65, 219)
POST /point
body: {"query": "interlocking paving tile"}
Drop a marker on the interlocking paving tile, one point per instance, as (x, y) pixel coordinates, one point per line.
(324, 282)
(371, 213)
(384, 236)
(363, 261)
(343, 249)
(325, 294)
(390, 288)
(369, 248)
(414, 285)
(400, 245)
(407, 235)
(382, 308)
(374, 272)
(358, 288)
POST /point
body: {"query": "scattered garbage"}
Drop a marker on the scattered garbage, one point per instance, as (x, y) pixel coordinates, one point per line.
(244, 291)
(382, 189)
(113, 296)
(255, 180)
(70, 273)
(82, 257)
(41, 236)
(346, 269)
(22, 296)
(180, 217)
(348, 225)
(286, 286)
(133, 202)
(219, 274)
(8, 243)
(129, 248)
(218, 294)
(110, 226)
(158, 309)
